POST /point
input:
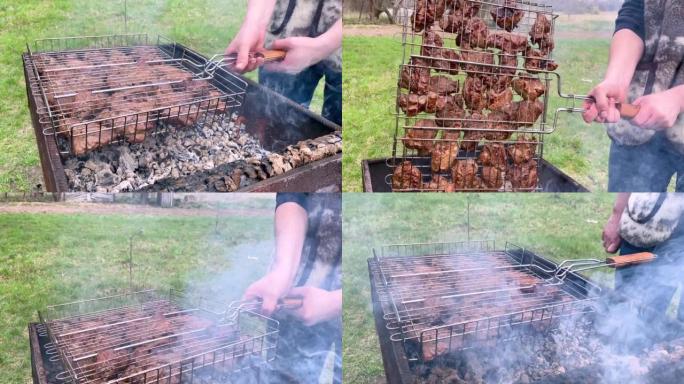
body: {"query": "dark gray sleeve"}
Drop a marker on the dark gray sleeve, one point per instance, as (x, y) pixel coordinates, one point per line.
(631, 16)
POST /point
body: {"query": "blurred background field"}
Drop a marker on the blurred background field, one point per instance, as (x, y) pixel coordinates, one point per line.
(373, 53)
(558, 226)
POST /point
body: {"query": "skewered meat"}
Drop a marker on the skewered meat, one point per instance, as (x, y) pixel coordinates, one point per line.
(473, 35)
(529, 88)
(464, 174)
(526, 113)
(445, 61)
(451, 22)
(474, 93)
(448, 116)
(523, 150)
(540, 34)
(415, 77)
(443, 156)
(421, 137)
(475, 59)
(508, 42)
(536, 61)
(441, 183)
(507, 17)
(500, 125)
(411, 104)
(443, 85)
(524, 175)
(508, 60)
(472, 136)
(494, 155)
(492, 177)
(406, 176)
(424, 15)
(432, 44)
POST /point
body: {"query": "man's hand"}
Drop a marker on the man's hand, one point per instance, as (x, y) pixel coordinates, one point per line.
(303, 52)
(611, 234)
(658, 111)
(250, 38)
(603, 109)
(318, 305)
(269, 289)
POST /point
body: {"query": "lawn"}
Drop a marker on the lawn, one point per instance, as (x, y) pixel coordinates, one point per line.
(371, 66)
(55, 258)
(205, 25)
(566, 226)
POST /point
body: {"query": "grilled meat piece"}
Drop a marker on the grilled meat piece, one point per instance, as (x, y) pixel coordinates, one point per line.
(406, 177)
(508, 42)
(451, 22)
(411, 104)
(474, 126)
(452, 110)
(421, 137)
(474, 61)
(432, 44)
(424, 15)
(507, 17)
(473, 35)
(494, 155)
(528, 88)
(500, 125)
(443, 156)
(536, 61)
(112, 364)
(435, 102)
(497, 100)
(526, 113)
(416, 76)
(467, 8)
(441, 184)
(541, 27)
(445, 61)
(524, 175)
(523, 150)
(508, 60)
(443, 85)
(474, 93)
(464, 174)
(492, 178)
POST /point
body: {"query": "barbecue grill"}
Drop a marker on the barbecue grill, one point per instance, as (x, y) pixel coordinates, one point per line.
(435, 303)
(88, 93)
(459, 125)
(148, 337)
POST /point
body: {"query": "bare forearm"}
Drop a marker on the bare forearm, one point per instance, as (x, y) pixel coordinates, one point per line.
(626, 50)
(260, 12)
(620, 204)
(290, 232)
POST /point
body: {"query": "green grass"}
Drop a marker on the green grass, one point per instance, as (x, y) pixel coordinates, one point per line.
(558, 226)
(205, 25)
(370, 75)
(56, 258)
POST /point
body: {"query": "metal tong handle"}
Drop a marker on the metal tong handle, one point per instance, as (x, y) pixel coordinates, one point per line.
(221, 59)
(628, 260)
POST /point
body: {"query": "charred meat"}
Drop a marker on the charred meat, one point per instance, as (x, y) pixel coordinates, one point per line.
(536, 61)
(473, 35)
(492, 178)
(529, 88)
(406, 177)
(478, 61)
(421, 137)
(494, 155)
(526, 113)
(523, 150)
(508, 42)
(474, 93)
(443, 156)
(524, 175)
(464, 174)
(415, 77)
(507, 17)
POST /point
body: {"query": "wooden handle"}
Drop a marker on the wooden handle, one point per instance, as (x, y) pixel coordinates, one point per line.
(627, 260)
(628, 111)
(290, 302)
(272, 55)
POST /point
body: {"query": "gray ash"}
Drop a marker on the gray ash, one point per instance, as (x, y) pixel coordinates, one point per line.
(212, 158)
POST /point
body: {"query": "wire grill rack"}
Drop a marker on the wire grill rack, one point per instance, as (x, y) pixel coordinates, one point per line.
(99, 90)
(472, 95)
(444, 297)
(149, 337)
